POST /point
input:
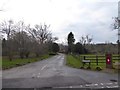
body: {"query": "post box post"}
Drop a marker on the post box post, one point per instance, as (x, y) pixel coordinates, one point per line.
(109, 61)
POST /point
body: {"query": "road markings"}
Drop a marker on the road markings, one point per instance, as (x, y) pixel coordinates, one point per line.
(96, 84)
(87, 85)
(115, 86)
(112, 86)
(38, 76)
(108, 86)
(116, 82)
(109, 83)
(33, 76)
(43, 67)
(92, 85)
(101, 83)
(81, 85)
(102, 87)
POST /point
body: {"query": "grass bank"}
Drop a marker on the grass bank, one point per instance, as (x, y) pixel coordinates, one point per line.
(76, 62)
(73, 62)
(6, 63)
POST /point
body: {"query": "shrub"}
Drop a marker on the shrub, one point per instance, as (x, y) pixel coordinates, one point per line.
(88, 67)
(52, 53)
(98, 68)
(82, 67)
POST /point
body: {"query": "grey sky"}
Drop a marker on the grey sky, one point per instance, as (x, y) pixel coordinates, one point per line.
(82, 17)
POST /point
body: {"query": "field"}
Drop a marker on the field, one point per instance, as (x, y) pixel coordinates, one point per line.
(6, 63)
(76, 61)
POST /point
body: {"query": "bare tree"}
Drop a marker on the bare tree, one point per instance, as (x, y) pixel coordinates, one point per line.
(41, 36)
(22, 44)
(116, 23)
(116, 26)
(42, 33)
(86, 40)
(22, 39)
(8, 29)
(83, 40)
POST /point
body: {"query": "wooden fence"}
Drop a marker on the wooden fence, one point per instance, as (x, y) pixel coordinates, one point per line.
(99, 58)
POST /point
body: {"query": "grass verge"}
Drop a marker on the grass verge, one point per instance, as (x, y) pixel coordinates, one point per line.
(76, 62)
(73, 62)
(6, 64)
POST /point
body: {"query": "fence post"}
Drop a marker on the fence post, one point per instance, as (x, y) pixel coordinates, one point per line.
(96, 59)
(84, 57)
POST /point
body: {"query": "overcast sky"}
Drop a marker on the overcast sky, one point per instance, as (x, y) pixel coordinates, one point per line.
(82, 17)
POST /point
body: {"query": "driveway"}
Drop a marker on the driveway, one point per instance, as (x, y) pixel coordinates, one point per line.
(53, 73)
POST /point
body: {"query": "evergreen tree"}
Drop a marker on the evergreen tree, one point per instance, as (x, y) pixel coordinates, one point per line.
(71, 41)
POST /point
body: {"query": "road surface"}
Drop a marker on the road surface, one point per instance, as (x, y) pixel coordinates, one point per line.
(53, 73)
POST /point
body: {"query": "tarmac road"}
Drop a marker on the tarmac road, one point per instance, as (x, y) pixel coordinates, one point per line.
(53, 73)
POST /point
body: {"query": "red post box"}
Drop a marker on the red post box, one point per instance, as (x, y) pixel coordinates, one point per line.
(109, 61)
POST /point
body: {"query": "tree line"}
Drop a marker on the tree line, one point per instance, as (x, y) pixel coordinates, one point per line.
(23, 40)
(79, 47)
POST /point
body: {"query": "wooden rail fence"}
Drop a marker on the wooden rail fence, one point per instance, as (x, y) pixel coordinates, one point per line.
(99, 58)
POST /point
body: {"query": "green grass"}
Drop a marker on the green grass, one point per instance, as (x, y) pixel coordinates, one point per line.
(73, 62)
(6, 63)
(102, 59)
(76, 61)
(0, 62)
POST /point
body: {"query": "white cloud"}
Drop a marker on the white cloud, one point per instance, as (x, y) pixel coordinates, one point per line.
(79, 16)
